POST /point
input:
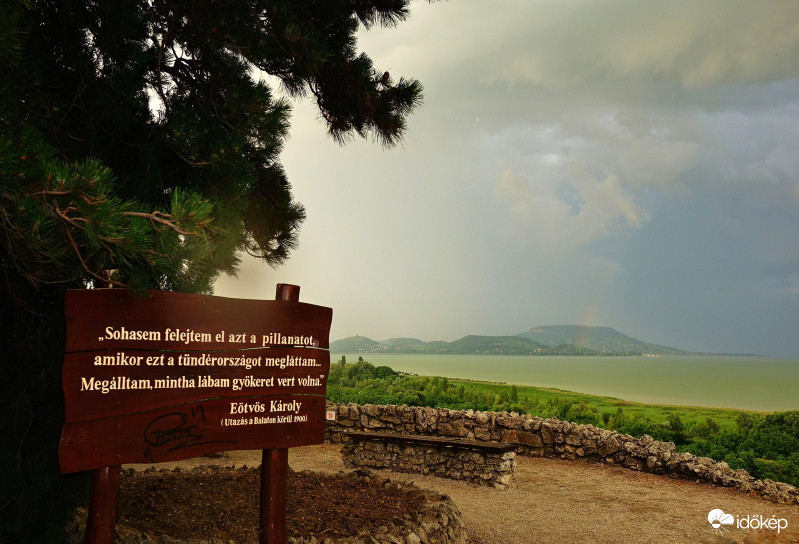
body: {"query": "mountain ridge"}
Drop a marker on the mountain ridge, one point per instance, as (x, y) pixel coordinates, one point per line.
(600, 339)
(542, 340)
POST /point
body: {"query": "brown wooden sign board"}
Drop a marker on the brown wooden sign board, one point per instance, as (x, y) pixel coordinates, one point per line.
(93, 387)
(178, 321)
(172, 376)
(190, 430)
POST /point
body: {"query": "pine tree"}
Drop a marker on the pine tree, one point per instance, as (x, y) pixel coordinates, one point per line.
(139, 145)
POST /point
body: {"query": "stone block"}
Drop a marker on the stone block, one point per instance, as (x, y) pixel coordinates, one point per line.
(547, 435)
(610, 446)
(451, 428)
(509, 421)
(574, 440)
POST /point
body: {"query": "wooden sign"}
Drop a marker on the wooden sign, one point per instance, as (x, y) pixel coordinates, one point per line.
(172, 376)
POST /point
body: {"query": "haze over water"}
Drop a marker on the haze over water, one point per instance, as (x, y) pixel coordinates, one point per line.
(746, 383)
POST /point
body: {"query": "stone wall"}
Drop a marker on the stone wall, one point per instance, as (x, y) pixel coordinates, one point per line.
(492, 467)
(540, 437)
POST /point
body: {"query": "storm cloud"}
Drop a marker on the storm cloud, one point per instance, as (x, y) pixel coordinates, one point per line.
(627, 164)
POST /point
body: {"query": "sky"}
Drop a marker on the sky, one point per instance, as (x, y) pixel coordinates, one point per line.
(628, 164)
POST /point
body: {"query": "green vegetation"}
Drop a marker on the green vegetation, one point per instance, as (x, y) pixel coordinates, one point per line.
(491, 345)
(765, 445)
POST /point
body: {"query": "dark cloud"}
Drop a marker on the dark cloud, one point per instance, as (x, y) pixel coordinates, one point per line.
(630, 164)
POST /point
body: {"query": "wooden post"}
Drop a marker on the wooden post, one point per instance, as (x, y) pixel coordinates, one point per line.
(287, 292)
(274, 470)
(274, 467)
(103, 506)
(102, 515)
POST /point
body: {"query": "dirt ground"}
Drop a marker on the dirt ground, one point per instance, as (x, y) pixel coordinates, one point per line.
(223, 504)
(556, 501)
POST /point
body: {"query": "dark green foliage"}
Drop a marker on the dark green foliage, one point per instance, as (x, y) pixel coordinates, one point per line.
(766, 446)
(139, 146)
(747, 422)
(361, 371)
(33, 493)
(705, 429)
(494, 345)
(776, 434)
(383, 372)
(569, 349)
(93, 180)
(675, 423)
(785, 469)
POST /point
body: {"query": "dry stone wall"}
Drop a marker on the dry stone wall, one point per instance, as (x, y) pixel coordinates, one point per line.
(476, 462)
(549, 437)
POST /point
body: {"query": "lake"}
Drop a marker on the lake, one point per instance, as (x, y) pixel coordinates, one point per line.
(747, 383)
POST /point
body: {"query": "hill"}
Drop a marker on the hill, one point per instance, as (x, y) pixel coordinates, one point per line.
(402, 342)
(355, 344)
(546, 340)
(468, 345)
(599, 339)
(495, 345)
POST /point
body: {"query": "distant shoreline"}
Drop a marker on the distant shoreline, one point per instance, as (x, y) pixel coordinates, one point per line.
(761, 384)
(595, 354)
(570, 340)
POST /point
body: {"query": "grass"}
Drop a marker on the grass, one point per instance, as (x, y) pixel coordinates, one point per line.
(657, 413)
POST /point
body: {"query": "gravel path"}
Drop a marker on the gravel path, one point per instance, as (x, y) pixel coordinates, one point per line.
(574, 502)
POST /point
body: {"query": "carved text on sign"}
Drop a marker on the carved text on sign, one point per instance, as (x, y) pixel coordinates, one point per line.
(173, 376)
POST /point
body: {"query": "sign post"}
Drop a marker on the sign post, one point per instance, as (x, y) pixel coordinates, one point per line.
(103, 505)
(274, 468)
(174, 376)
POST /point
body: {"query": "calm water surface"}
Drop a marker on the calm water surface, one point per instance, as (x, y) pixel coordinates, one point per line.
(747, 383)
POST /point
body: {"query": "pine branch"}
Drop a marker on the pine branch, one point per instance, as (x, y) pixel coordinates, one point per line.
(50, 193)
(159, 217)
(75, 222)
(154, 217)
(83, 263)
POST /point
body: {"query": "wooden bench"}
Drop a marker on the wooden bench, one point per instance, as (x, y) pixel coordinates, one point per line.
(481, 463)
